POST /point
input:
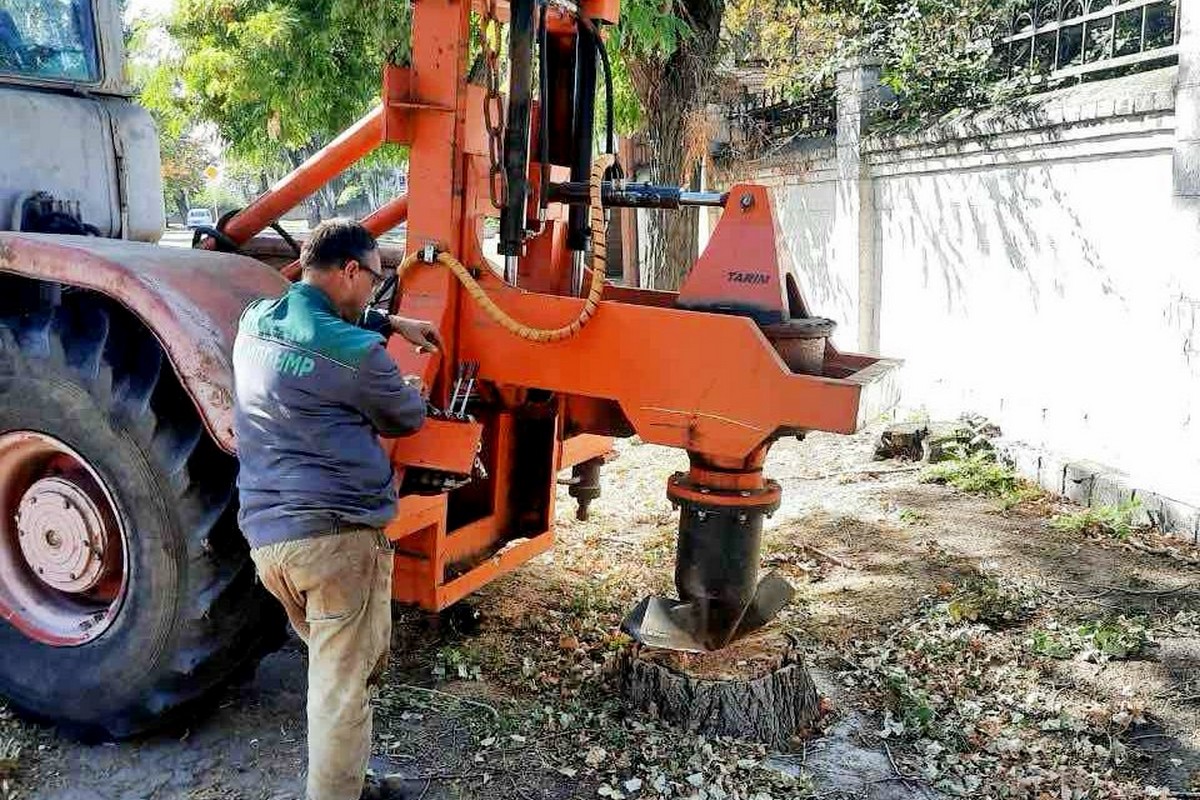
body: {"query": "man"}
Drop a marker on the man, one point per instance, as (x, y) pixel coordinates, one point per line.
(315, 388)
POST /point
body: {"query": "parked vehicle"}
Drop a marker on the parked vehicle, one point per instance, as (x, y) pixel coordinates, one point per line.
(200, 218)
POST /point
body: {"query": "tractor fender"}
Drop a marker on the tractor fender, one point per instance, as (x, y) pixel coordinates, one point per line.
(189, 299)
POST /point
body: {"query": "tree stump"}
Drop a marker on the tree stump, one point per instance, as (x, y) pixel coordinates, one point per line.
(757, 688)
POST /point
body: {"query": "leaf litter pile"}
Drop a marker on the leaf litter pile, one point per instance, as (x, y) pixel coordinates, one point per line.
(969, 643)
(970, 637)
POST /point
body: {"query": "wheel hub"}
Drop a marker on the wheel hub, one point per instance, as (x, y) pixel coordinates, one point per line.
(62, 535)
(63, 563)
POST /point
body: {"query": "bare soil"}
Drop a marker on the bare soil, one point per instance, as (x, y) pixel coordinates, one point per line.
(925, 695)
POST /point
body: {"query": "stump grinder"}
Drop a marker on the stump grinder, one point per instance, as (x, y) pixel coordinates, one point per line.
(125, 588)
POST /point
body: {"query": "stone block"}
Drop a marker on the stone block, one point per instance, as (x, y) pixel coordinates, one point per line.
(1110, 488)
(1078, 479)
(1025, 460)
(1186, 168)
(1187, 113)
(1051, 472)
(1169, 516)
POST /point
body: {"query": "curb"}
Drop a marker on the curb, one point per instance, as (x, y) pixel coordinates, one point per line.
(1091, 484)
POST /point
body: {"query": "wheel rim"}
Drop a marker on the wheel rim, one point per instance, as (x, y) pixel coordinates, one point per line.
(63, 565)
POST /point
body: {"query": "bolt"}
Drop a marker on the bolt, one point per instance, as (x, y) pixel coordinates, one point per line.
(747, 201)
(53, 539)
(701, 515)
(41, 571)
(66, 504)
(704, 490)
(744, 494)
(74, 576)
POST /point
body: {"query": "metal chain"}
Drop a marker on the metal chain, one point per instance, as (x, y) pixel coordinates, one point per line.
(493, 105)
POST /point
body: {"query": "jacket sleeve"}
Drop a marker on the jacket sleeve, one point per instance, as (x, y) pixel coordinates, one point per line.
(393, 408)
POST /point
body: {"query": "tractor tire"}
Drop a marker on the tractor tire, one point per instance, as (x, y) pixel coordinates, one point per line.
(127, 589)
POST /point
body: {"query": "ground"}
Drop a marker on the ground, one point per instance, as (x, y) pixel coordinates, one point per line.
(966, 646)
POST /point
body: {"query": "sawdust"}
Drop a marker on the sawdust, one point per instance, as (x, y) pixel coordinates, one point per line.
(755, 656)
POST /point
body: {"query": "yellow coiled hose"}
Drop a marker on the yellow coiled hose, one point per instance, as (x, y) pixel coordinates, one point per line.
(499, 315)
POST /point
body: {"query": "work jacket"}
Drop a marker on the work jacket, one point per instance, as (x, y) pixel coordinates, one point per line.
(313, 393)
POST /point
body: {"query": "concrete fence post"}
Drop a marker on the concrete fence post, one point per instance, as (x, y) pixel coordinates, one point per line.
(1187, 103)
(858, 98)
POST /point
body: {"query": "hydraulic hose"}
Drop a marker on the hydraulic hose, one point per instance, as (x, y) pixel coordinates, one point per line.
(499, 315)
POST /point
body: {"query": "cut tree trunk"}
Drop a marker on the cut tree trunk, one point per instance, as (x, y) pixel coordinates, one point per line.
(756, 689)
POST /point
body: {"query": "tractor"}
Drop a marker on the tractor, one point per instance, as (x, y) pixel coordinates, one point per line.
(126, 590)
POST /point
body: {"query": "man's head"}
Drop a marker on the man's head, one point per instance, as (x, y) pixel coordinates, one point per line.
(340, 258)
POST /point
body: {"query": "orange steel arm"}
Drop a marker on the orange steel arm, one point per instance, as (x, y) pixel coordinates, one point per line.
(359, 140)
(378, 222)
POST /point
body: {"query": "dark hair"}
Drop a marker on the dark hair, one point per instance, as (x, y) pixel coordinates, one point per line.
(334, 242)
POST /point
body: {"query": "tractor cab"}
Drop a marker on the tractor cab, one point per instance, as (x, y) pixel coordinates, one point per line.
(78, 155)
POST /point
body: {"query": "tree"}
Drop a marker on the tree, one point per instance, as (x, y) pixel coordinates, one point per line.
(797, 43)
(278, 78)
(183, 161)
(938, 54)
(669, 54)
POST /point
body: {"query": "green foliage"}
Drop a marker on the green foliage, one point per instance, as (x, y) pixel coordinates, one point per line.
(591, 599)
(457, 663)
(277, 77)
(992, 600)
(651, 29)
(220, 197)
(1049, 644)
(800, 42)
(1116, 521)
(937, 54)
(183, 160)
(913, 708)
(978, 473)
(1116, 637)
(1113, 637)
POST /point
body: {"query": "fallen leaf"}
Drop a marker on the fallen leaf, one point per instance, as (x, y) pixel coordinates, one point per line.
(595, 756)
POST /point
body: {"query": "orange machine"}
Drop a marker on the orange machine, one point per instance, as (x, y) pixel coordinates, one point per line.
(722, 369)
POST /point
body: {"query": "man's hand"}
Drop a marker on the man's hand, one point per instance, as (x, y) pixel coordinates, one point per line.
(420, 334)
(415, 382)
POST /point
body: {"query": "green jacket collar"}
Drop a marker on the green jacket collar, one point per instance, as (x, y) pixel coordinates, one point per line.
(314, 296)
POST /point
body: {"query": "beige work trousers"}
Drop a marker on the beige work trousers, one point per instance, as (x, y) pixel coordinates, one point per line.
(337, 592)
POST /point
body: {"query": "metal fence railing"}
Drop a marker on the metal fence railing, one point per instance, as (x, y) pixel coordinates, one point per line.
(1054, 39)
(772, 118)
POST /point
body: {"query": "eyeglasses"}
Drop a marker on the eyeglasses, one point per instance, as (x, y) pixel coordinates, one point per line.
(377, 277)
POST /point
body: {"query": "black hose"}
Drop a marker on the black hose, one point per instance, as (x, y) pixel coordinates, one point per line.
(544, 107)
(224, 243)
(615, 170)
(287, 237)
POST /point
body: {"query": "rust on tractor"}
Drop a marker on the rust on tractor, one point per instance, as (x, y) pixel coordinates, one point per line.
(189, 299)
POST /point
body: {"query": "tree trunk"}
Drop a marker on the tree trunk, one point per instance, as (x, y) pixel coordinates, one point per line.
(756, 689)
(674, 94)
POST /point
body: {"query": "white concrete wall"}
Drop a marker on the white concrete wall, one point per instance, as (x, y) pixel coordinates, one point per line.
(1034, 264)
(804, 190)
(1058, 296)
